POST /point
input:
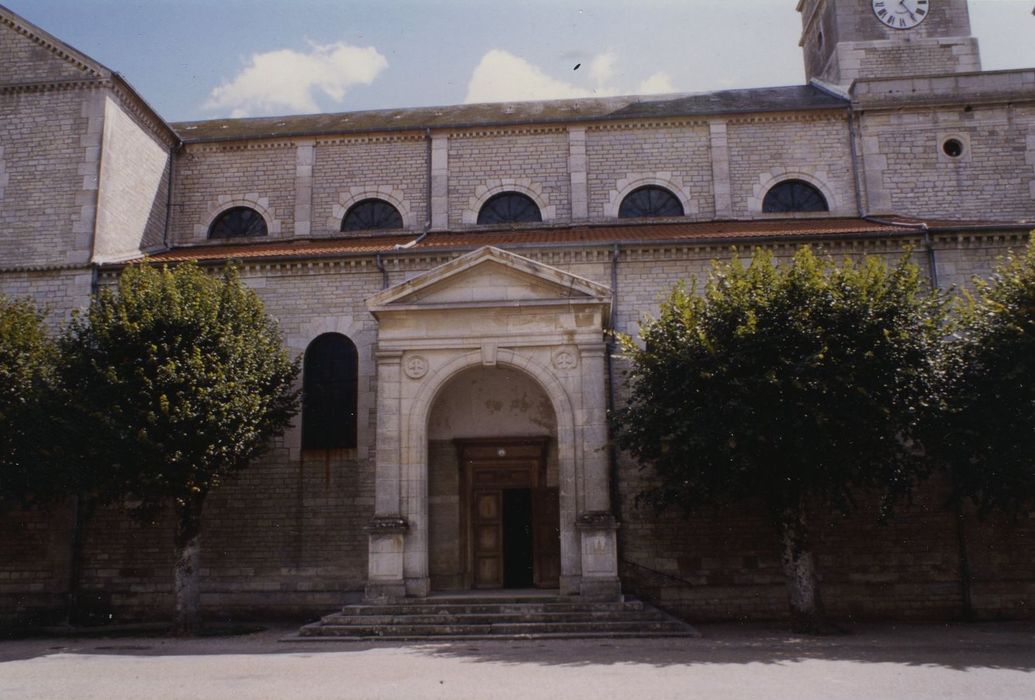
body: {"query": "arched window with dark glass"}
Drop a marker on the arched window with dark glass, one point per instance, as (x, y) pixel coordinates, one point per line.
(370, 215)
(329, 389)
(793, 195)
(650, 200)
(509, 208)
(238, 222)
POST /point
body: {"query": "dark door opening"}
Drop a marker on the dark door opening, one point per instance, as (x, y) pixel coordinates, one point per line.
(518, 550)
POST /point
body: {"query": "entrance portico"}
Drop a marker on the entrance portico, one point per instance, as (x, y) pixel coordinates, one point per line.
(491, 309)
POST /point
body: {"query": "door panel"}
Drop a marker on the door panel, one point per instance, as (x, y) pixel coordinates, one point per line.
(487, 539)
(546, 526)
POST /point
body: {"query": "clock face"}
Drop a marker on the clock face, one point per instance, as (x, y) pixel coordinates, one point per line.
(901, 14)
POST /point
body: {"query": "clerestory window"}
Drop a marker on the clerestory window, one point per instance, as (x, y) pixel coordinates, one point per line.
(370, 215)
(509, 207)
(238, 222)
(649, 201)
(793, 196)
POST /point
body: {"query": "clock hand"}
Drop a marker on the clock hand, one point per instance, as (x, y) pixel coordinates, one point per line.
(906, 8)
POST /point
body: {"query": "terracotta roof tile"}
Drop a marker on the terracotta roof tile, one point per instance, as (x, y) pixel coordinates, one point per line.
(675, 232)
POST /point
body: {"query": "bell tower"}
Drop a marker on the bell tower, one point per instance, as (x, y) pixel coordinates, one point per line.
(848, 39)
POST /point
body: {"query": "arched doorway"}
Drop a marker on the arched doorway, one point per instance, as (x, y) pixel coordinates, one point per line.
(493, 483)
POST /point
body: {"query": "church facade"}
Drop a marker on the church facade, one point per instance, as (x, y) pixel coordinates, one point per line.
(450, 277)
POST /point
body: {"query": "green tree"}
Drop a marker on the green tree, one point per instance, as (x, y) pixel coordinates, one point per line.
(176, 380)
(794, 384)
(985, 432)
(26, 372)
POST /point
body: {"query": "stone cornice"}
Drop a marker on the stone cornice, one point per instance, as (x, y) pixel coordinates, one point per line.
(648, 124)
(369, 138)
(527, 130)
(225, 147)
(832, 115)
(55, 85)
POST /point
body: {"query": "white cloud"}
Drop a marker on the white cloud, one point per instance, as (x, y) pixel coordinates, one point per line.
(501, 76)
(602, 68)
(285, 80)
(657, 84)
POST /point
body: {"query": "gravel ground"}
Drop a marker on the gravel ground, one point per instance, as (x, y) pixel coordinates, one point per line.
(728, 662)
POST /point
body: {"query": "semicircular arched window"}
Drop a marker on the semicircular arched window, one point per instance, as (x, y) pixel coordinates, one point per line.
(509, 208)
(650, 200)
(792, 196)
(371, 214)
(330, 380)
(238, 222)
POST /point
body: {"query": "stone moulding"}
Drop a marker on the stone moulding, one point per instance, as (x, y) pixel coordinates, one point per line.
(387, 525)
(596, 520)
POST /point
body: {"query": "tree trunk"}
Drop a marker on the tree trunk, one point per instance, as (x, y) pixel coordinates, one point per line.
(187, 578)
(799, 568)
(966, 579)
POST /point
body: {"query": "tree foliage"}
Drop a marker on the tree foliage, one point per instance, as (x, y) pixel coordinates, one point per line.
(26, 372)
(783, 381)
(173, 381)
(985, 431)
(794, 384)
(180, 379)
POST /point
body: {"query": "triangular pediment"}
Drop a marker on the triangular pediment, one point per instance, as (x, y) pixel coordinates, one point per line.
(30, 55)
(490, 277)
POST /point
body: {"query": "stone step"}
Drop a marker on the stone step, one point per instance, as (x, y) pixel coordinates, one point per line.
(497, 628)
(491, 617)
(494, 637)
(485, 607)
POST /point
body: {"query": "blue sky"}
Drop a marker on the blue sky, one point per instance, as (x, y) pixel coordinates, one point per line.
(199, 59)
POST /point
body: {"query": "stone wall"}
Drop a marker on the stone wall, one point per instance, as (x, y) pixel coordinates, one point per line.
(766, 149)
(907, 168)
(212, 178)
(134, 187)
(350, 170)
(483, 164)
(624, 157)
(51, 161)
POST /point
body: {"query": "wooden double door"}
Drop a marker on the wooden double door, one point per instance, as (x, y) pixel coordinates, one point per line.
(510, 517)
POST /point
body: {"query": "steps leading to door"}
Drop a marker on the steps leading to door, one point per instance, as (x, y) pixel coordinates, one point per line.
(494, 617)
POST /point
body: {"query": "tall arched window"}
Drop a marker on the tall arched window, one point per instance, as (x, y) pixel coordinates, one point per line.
(329, 389)
(371, 214)
(793, 195)
(237, 222)
(650, 200)
(509, 207)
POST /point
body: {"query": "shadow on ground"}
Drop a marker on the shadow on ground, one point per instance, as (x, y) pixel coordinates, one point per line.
(958, 646)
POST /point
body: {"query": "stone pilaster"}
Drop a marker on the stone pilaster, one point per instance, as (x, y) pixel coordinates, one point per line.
(721, 169)
(387, 530)
(305, 158)
(577, 169)
(439, 182)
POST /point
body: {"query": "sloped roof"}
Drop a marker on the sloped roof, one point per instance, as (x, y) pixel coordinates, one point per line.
(682, 233)
(773, 99)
